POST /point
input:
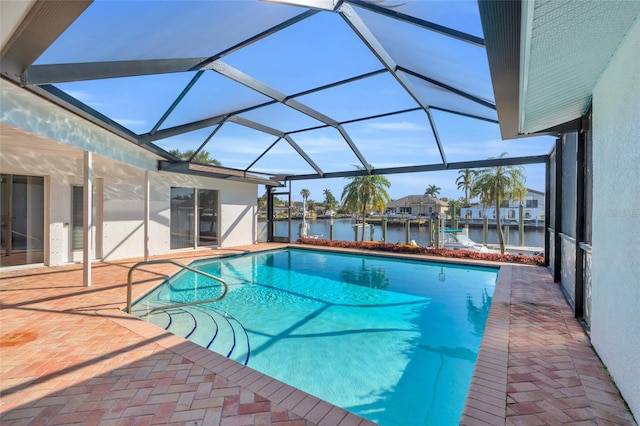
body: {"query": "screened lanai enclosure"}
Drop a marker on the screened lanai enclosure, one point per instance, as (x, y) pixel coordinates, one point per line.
(287, 90)
(138, 119)
(271, 92)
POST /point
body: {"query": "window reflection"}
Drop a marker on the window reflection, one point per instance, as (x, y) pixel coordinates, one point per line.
(184, 221)
(208, 217)
(182, 203)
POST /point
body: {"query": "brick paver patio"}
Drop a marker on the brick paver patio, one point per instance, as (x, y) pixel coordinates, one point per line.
(69, 355)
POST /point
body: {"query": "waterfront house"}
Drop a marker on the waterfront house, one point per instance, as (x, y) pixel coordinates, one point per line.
(417, 205)
(533, 209)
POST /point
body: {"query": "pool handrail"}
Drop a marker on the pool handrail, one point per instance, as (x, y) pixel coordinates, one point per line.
(177, 305)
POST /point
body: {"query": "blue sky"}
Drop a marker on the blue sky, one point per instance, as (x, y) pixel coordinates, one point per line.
(317, 51)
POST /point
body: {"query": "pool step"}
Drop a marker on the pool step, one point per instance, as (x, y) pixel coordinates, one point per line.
(203, 325)
(234, 343)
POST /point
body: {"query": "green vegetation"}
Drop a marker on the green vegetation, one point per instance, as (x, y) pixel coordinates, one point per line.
(202, 157)
(498, 184)
(432, 191)
(305, 194)
(429, 251)
(464, 182)
(364, 193)
(454, 206)
(330, 201)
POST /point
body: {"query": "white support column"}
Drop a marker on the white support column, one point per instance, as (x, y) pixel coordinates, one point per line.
(196, 219)
(87, 213)
(146, 214)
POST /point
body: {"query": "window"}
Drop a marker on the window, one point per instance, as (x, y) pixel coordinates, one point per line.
(531, 204)
(182, 218)
(186, 219)
(208, 217)
(21, 219)
(77, 217)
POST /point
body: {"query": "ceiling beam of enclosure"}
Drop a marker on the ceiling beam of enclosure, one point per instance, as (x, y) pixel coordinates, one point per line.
(460, 35)
(476, 164)
(25, 47)
(240, 77)
(361, 29)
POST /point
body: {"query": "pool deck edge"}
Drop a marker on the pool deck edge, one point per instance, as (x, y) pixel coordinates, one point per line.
(487, 396)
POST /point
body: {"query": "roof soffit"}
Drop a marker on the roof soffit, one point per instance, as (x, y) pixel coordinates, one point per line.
(565, 48)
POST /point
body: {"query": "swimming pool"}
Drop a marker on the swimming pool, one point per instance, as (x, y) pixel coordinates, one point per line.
(394, 341)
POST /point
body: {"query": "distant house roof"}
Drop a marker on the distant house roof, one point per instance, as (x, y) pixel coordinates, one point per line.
(533, 191)
(416, 199)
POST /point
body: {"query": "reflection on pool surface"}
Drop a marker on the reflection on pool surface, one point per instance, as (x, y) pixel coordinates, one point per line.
(394, 341)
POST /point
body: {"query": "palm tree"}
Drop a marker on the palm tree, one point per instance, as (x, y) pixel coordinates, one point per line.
(520, 192)
(329, 200)
(432, 191)
(311, 206)
(454, 207)
(364, 193)
(497, 184)
(305, 195)
(464, 182)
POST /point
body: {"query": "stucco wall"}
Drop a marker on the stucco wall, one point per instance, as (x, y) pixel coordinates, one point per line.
(50, 143)
(615, 325)
(122, 197)
(238, 209)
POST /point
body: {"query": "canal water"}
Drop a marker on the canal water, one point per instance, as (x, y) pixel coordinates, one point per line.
(343, 230)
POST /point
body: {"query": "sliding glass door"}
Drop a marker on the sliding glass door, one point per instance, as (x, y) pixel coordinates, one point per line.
(182, 217)
(194, 217)
(22, 220)
(207, 217)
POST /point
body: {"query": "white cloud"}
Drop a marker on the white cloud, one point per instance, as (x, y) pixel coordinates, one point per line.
(128, 122)
(80, 95)
(397, 126)
(86, 98)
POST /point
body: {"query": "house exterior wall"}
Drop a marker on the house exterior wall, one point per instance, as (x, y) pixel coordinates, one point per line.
(417, 205)
(477, 211)
(616, 219)
(59, 138)
(238, 209)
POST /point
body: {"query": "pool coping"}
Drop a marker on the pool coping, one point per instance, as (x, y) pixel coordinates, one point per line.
(487, 396)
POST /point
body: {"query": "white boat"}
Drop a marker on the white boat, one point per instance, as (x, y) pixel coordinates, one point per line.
(459, 240)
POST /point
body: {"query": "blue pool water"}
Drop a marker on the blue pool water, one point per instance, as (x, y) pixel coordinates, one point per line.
(391, 340)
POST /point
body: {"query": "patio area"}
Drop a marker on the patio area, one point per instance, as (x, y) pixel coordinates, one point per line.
(69, 355)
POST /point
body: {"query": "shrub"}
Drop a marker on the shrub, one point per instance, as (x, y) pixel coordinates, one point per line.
(409, 249)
